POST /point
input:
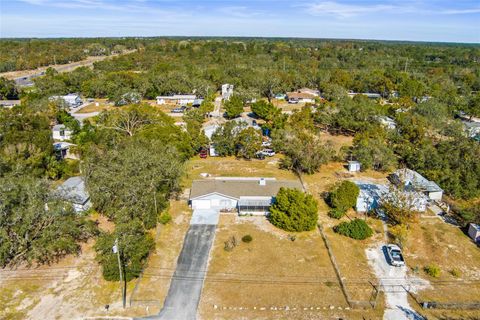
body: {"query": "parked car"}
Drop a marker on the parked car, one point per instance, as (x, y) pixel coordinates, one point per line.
(395, 255)
(268, 152)
(179, 110)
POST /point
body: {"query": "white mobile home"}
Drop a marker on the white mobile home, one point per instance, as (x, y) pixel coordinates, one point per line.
(411, 180)
(61, 133)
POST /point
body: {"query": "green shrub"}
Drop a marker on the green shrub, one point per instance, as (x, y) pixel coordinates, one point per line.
(432, 270)
(356, 229)
(294, 210)
(247, 238)
(344, 196)
(456, 273)
(165, 218)
(336, 213)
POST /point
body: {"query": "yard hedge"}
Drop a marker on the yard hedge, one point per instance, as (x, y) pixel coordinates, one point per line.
(356, 229)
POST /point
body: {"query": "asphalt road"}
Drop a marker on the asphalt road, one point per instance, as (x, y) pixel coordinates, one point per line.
(187, 282)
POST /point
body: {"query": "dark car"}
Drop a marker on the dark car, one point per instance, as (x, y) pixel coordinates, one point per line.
(179, 110)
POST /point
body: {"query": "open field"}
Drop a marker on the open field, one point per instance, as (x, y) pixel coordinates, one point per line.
(433, 241)
(89, 61)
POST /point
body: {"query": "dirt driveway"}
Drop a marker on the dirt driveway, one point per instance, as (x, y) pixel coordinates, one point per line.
(394, 282)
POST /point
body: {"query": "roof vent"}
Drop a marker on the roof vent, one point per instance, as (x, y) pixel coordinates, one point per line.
(262, 182)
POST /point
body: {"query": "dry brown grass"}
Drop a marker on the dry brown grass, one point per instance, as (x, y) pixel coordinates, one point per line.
(232, 167)
(271, 271)
(103, 104)
(433, 241)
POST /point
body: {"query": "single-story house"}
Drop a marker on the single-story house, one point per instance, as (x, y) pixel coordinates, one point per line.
(387, 122)
(181, 99)
(296, 97)
(63, 150)
(411, 180)
(61, 132)
(73, 100)
(370, 196)
(244, 195)
(369, 95)
(227, 91)
(9, 103)
(354, 166)
(474, 232)
(73, 190)
(313, 92)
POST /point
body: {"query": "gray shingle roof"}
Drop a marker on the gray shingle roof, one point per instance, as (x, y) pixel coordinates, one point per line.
(237, 188)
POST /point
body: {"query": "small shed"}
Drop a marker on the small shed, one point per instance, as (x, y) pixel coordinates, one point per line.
(474, 232)
(353, 166)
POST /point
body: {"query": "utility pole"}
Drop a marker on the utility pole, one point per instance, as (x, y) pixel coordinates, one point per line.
(116, 249)
(406, 65)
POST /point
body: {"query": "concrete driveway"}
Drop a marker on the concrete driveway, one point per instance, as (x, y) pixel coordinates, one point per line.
(183, 296)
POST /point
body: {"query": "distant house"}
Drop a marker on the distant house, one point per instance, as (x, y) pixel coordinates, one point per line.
(354, 166)
(9, 103)
(73, 191)
(369, 95)
(474, 232)
(73, 100)
(313, 92)
(411, 180)
(61, 132)
(209, 130)
(472, 128)
(227, 91)
(296, 97)
(180, 99)
(247, 196)
(387, 122)
(197, 102)
(63, 151)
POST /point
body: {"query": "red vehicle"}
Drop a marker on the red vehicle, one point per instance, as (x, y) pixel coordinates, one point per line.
(203, 153)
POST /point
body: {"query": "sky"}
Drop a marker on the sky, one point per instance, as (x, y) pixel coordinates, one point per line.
(414, 20)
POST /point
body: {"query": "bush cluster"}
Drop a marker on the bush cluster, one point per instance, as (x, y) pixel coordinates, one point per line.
(356, 229)
(165, 218)
(247, 238)
(342, 198)
(432, 270)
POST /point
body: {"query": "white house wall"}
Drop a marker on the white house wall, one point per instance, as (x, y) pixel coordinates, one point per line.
(435, 195)
(214, 201)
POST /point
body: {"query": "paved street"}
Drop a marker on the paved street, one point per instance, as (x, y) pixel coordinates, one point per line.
(187, 282)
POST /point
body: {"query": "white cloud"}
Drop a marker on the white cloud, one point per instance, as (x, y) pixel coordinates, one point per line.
(345, 10)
